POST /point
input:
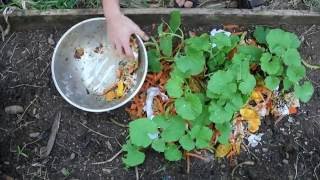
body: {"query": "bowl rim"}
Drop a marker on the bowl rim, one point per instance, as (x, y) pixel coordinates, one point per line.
(91, 109)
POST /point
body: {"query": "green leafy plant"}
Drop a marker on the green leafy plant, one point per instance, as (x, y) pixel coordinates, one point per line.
(223, 65)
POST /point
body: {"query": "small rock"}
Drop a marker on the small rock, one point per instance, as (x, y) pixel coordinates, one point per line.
(285, 161)
(286, 124)
(290, 177)
(34, 134)
(34, 111)
(109, 146)
(108, 171)
(50, 40)
(264, 150)
(14, 109)
(290, 119)
(306, 143)
(72, 156)
(6, 163)
(257, 150)
(223, 166)
(37, 116)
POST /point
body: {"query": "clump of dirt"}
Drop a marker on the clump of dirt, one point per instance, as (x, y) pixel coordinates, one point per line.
(289, 150)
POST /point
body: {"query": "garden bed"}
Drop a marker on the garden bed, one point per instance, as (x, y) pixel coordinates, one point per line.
(288, 150)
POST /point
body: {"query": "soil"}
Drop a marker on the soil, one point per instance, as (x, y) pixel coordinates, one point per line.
(289, 150)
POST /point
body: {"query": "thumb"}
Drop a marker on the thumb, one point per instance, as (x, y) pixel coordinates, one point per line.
(142, 34)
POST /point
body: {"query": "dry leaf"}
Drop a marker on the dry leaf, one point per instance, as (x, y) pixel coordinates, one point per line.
(223, 149)
(252, 117)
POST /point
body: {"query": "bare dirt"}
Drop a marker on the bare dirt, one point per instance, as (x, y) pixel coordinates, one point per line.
(290, 150)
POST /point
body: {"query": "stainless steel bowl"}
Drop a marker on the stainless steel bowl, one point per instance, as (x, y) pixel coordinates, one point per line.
(67, 72)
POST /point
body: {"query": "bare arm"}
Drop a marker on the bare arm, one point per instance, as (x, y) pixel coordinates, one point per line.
(120, 28)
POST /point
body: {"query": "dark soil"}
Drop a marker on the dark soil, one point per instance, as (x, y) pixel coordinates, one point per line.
(290, 150)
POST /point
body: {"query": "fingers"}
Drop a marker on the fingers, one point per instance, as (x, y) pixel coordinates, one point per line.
(142, 34)
(127, 49)
(118, 48)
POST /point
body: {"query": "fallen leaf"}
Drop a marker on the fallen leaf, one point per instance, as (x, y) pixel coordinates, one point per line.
(223, 149)
(252, 118)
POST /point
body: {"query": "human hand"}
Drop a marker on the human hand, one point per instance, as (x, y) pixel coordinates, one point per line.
(119, 29)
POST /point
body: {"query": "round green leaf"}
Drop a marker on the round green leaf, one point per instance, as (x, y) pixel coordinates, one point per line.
(139, 131)
(172, 153)
(133, 157)
(189, 107)
(174, 86)
(296, 73)
(158, 145)
(272, 82)
(304, 92)
(292, 57)
(248, 84)
(186, 142)
(174, 130)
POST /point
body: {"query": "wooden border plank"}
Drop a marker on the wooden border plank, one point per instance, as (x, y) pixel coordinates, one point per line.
(23, 19)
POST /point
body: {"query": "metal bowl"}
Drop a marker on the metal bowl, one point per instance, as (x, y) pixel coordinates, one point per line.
(67, 72)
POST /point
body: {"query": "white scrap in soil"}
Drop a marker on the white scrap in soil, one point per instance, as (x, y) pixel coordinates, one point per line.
(290, 119)
(148, 108)
(255, 139)
(151, 93)
(215, 32)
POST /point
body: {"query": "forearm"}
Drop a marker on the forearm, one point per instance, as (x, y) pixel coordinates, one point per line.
(111, 8)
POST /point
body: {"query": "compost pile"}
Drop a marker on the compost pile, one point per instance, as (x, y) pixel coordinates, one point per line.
(205, 95)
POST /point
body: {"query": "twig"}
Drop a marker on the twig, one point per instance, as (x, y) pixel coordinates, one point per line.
(109, 160)
(196, 156)
(24, 112)
(315, 171)
(45, 69)
(13, 51)
(4, 44)
(314, 67)
(137, 173)
(118, 124)
(279, 119)
(243, 163)
(296, 166)
(247, 149)
(95, 131)
(188, 164)
(28, 85)
(52, 138)
(306, 32)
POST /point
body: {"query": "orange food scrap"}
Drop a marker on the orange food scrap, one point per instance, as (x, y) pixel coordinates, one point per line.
(120, 89)
(293, 110)
(111, 95)
(252, 118)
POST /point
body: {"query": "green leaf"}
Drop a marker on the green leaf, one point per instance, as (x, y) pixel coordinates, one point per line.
(260, 34)
(218, 114)
(175, 21)
(174, 86)
(296, 73)
(161, 121)
(304, 92)
(154, 64)
(292, 57)
(174, 130)
(272, 82)
(187, 143)
(225, 131)
(287, 84)
(269, 64)
(192, 64)
(172, 153)
(158, 145)
(189, 107)
(203, 135)
(222, 83)
(248, 84)
(166, 45)
(199, 42)
(279, 41)
(221, 40)
(160, 29)
(133, 157)
(237, 101)
(251, 51)
(216, 60)
(139, 131)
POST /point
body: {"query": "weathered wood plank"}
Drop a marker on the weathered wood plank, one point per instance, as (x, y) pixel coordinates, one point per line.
(23, 19)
